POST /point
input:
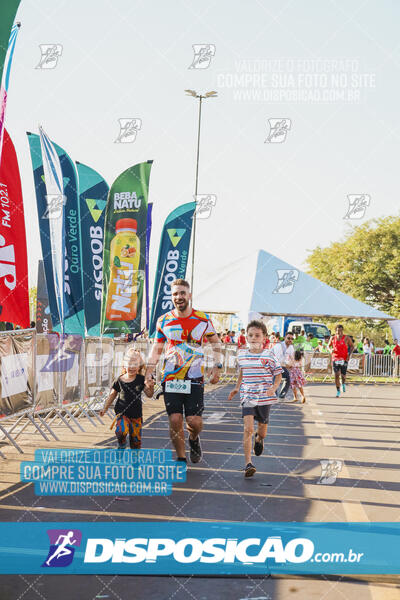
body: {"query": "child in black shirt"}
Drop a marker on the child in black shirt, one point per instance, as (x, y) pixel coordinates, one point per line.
(128, 408)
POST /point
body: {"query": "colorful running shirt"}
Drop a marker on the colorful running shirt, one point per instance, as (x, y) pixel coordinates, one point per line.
(258, 371)
(340, 350)
(184, 336)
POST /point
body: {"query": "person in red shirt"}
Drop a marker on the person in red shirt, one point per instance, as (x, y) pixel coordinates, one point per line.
(396, 349)
(241, 343)
(342, 346)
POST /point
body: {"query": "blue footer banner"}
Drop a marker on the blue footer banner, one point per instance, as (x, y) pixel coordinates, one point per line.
(200, 548)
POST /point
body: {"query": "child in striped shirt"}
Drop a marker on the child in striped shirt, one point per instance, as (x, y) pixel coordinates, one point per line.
(259, 377)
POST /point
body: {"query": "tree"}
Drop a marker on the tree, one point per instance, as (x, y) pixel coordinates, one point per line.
(365, 264)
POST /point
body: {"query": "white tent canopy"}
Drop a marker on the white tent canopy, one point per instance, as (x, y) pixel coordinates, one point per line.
(262, 283)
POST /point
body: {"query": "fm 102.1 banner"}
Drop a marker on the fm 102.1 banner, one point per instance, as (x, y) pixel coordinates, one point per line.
(125, 251)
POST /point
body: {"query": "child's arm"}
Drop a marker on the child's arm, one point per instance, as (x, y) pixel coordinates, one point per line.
(109, 401)
(277, 380)
(237, 386)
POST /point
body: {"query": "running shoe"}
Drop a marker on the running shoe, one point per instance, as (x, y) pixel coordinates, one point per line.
(258, 446)
(195, 450)
(122, 446)
(343, 387)
(249, 470)
(338, 394)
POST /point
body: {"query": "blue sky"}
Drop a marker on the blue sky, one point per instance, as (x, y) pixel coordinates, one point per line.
(131, 59)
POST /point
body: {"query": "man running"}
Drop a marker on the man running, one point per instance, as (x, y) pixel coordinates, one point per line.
(342, 346)
(184, 329)
(284, 353)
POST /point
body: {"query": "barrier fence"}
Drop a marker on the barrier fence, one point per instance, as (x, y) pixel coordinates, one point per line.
(48, 380)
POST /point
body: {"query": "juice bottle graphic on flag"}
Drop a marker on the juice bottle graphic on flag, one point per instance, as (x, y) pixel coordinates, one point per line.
(125, 257)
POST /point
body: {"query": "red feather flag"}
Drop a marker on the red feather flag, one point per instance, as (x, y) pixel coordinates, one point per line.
(14, 296)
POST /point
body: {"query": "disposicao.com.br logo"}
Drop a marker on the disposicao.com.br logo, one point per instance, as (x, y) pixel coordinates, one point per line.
(212, 550)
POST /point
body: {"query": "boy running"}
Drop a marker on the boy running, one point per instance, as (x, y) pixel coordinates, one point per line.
(259, 377)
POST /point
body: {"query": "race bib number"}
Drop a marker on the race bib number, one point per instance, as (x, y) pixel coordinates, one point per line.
(339, 362)
(178, 386)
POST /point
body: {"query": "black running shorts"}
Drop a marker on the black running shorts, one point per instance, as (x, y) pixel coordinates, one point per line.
(192, 404)
(340, 368)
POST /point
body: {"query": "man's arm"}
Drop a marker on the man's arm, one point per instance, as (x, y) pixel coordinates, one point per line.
(154, 357)
(217, 356)
(350, 344)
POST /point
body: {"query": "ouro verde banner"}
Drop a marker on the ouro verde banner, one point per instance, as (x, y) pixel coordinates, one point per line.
(125, 231)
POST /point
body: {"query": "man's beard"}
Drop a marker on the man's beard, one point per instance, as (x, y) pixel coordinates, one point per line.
(182, 307)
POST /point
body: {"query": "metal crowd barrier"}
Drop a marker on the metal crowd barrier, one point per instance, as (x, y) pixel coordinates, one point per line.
(47, 382)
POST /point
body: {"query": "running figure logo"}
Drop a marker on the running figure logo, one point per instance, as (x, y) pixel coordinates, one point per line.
(62, 542)
(278, 129)
(128, 129)
(329, 471)
(62, 353)
(55, 203)
(203, 54)
(286, 281)
(204, 205)
(358, 204)
(50, 55)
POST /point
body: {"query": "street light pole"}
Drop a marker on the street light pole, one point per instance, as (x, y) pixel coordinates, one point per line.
(195, 193)
(201, 98)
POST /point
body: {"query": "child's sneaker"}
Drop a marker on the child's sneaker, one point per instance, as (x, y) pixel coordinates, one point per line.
(249, 470)
(343, 387)
(338, 394)
(258, 445)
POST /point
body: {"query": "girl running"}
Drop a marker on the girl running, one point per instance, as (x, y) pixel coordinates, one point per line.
(128, 408)
(297, 379)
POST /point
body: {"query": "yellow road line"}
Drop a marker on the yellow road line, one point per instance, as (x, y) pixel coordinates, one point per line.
(66, 511)
(239, 442)
(354, 510)
(15, 491)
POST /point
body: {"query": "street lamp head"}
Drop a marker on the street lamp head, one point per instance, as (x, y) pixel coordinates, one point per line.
(191, 93)
(210, 94)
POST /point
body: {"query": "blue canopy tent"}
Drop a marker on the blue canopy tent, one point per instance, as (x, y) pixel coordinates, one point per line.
(262, 283)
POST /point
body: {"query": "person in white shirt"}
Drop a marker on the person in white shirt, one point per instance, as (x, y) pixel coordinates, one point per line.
(284, 353)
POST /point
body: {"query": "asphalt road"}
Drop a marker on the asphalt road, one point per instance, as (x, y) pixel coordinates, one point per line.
(359, 432)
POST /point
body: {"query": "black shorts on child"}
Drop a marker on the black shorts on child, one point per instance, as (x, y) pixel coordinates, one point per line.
(260, 413)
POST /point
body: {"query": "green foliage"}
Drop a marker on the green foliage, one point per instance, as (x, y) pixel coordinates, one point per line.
(366, 266)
